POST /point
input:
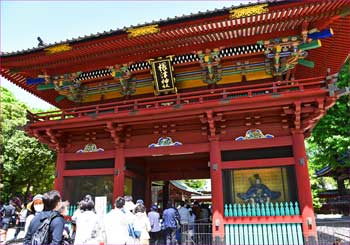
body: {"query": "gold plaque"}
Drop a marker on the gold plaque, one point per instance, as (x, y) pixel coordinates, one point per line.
(164, 81)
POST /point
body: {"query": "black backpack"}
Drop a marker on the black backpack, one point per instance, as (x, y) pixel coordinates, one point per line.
(42, 234)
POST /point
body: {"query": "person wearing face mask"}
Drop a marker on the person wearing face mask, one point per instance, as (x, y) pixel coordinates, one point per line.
(52, 204)
(35, 206)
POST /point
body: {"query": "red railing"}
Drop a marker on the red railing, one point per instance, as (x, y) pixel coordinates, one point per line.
(183, 98)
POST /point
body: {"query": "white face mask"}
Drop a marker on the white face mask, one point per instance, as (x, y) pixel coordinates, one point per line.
(39, 207)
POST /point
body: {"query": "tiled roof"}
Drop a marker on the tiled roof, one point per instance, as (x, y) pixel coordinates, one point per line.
(168, 21)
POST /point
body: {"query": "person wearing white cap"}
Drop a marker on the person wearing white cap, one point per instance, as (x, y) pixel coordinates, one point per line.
(35, 206)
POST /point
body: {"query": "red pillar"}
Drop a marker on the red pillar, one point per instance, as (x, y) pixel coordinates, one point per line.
(60, 166)
(119, 164)
(304, 188)
(216, 190)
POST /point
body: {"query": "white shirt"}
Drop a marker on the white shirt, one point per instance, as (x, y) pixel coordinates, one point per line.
(184, 215)
(116, 227)
(142, 224)
(86, 222)
(28, 220)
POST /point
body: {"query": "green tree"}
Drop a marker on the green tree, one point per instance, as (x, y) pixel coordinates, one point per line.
(330, 139)
(195, 184)
(26, 164)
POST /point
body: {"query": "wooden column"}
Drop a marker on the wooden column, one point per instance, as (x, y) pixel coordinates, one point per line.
(304, 188)
(60, 166)
(165, 194)
(148, 192)
(216, 190)
(119, 175)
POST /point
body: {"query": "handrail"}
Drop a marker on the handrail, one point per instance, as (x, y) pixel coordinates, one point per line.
(194, 97)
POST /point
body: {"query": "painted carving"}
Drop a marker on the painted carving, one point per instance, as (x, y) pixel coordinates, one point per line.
(144, 30)
(248, 11)
(164, 141)
(124, 76)
(283, 54)
(68, 86)
(254, 134)
(210, 64)
(258, 192)
(90, 148)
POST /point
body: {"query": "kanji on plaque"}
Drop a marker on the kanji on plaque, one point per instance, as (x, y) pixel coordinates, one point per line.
(164, 81)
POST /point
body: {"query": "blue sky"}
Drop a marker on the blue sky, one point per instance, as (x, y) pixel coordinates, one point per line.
(23, 21)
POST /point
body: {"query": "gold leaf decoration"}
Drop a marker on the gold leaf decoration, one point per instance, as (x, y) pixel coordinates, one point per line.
(248, 11)
(58, 49)
(144, 30)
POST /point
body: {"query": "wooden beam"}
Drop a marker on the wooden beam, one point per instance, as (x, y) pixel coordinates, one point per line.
(258, 163)
(256, 143)
(176, 175)
(167, 150)
(88, 172)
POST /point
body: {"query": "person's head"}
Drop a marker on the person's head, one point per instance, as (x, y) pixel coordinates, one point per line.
(154, 208)
(182, 203)
(169, 204)
(52, 200)
(37, 204)
(119, 202)
(139, 202)
(63, 210)
(257, 179)
(140, 209)
(128, 198)
(87, 204)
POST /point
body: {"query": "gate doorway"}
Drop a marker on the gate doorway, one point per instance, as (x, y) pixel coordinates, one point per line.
(144, 174)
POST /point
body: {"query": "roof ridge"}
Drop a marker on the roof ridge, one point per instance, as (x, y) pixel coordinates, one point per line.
(169, 20)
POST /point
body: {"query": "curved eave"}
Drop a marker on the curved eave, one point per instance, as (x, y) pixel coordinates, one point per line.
(324, 171)
(184, 187)
(20, 81)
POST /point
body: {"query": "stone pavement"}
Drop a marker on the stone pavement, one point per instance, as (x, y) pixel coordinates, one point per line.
(10, 234)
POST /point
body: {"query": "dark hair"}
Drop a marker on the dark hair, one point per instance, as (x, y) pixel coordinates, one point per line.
(169, 205)
(119, 202)
(154, 207)
(87, 204)
(182, 203)
(140, 209)
(51, 199)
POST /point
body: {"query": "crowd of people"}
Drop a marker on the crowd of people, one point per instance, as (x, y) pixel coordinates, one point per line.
(127, 223)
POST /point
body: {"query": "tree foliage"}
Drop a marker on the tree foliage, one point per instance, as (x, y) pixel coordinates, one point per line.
(329, 143)
(330, 139)
(195, 184)
(27, 165)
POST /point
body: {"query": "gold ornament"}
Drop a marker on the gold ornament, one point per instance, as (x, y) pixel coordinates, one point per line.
(248, 11)
(58, 49)
(144, 30)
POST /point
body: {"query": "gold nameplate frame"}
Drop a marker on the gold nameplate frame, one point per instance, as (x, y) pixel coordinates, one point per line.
(164, 81)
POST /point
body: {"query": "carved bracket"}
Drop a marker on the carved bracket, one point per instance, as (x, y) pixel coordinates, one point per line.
(124, 76)
(210, 64)
(116, 132)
